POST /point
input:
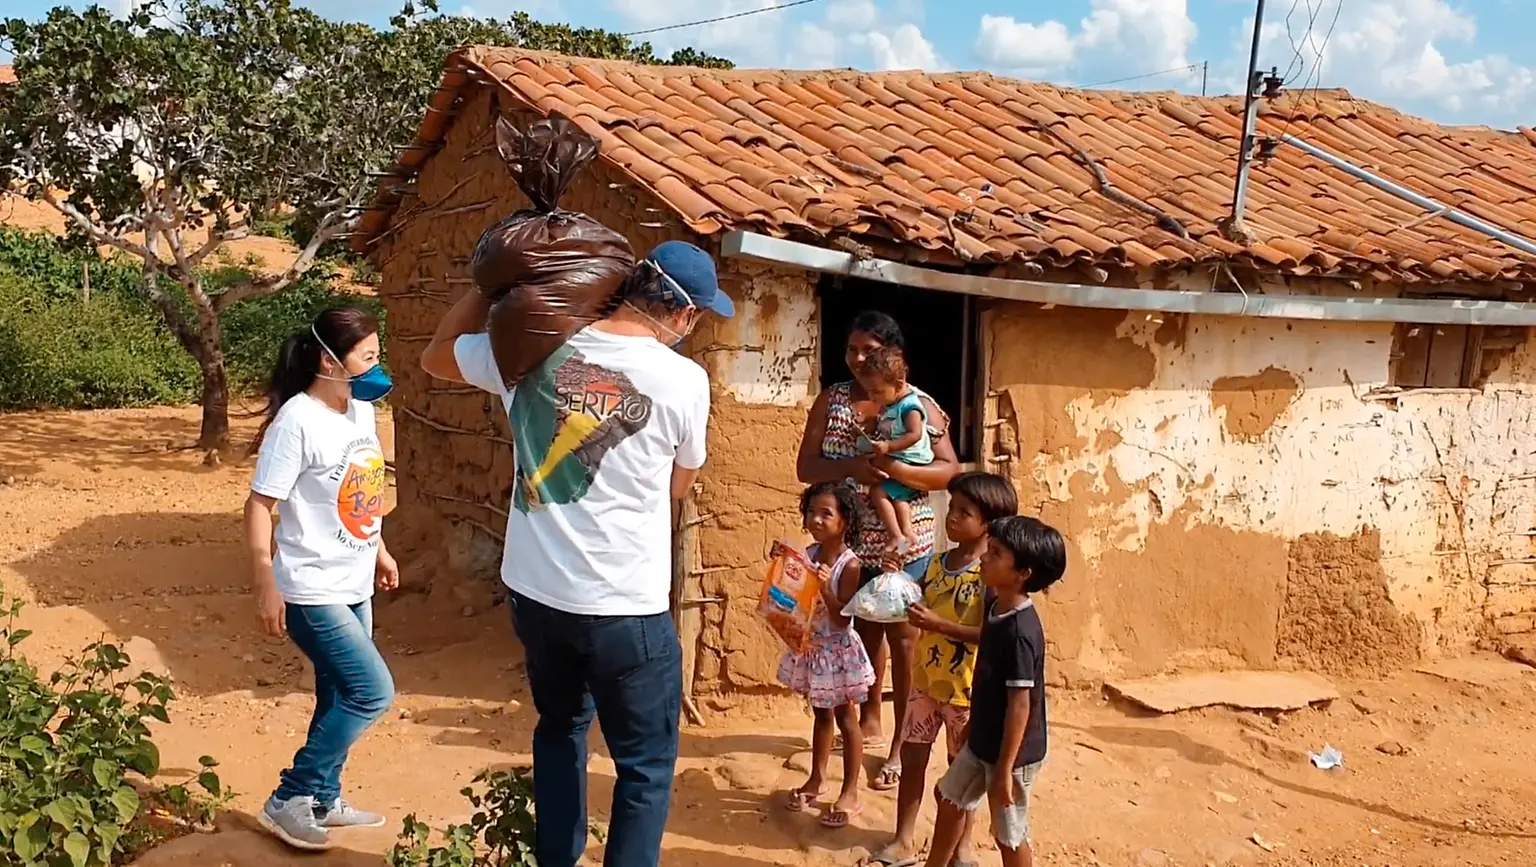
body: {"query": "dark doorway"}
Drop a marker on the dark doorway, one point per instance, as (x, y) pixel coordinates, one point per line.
(941, 333)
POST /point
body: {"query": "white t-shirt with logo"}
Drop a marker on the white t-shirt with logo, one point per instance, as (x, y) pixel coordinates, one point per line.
(597, 428)
(326, 470)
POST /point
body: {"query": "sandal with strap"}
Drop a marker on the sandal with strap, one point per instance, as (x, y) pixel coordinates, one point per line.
(887, 778)
(800, 800)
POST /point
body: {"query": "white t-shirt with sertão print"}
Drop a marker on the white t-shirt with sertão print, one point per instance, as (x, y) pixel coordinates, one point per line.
(596, 430)
(326, 470)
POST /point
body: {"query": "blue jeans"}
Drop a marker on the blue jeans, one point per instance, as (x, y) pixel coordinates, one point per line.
(630, 671)
(352, 689)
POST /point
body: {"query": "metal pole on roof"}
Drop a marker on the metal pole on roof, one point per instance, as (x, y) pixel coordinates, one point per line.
(1250, 119)
(1458, 217)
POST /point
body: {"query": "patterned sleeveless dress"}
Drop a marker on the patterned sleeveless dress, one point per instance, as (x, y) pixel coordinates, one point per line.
(842, 442)
(835, 670)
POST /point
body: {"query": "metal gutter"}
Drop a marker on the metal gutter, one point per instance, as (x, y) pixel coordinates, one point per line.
(1446, 311)
(1439, 208)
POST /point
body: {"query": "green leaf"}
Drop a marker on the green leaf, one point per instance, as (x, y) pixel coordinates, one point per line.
(210, 783)
(78, 848)
(109, 835)
(30, 840)
(208, 761)
(61, 812)
(126, 800)
(146, 759)
(18, 636)
(105, 772)
(33, 744)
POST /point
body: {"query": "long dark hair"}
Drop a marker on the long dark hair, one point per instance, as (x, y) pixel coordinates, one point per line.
(298, 359)
(879, 325)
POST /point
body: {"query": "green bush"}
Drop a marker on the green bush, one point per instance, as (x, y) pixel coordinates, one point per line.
(59, 350)
(68, 353)
(67, 745)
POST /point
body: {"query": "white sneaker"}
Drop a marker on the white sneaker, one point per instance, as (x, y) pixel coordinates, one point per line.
(293, 821)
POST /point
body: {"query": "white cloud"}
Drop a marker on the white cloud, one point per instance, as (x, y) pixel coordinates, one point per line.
(853, 14)
(862, 34)
(750, 41)
(1395, 51)
(816, 47)
(1117, 37)
(1008, 44)
(903, 48)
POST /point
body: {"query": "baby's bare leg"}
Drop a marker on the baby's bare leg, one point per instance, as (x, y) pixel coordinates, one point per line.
(903, 509)
(885, 507)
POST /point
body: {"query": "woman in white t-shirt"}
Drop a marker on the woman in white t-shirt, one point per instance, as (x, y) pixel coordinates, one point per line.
(320, 467)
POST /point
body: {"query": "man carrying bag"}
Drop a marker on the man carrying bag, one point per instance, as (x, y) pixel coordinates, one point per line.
(608, 430)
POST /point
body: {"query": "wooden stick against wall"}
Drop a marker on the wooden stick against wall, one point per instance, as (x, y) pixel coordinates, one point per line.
(685, 586)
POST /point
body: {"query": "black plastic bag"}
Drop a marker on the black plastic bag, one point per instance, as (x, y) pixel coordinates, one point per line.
(551, 271)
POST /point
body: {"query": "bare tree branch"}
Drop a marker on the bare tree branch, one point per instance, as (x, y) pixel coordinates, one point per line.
(331, 227)
(96, 233)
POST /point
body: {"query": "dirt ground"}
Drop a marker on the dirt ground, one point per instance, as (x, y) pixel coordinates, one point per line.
(109, 531)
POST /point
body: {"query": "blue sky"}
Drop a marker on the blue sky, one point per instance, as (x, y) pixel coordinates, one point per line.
(1456, 62)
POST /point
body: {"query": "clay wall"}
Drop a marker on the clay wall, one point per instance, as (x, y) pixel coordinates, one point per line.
(1249, 491)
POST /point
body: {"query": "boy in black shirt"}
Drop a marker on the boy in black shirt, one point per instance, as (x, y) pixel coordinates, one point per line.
(1005, 742)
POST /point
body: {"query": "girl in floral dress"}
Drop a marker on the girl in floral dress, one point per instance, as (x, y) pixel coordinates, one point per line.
(834, 673)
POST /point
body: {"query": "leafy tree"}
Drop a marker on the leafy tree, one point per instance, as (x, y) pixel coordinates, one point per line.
(161, 132)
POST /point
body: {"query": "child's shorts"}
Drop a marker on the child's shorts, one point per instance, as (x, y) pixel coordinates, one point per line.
(897, 491)
(965, 785)
(925, 714)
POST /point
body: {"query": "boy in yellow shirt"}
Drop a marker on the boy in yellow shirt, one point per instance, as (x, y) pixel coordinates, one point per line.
(944, 659)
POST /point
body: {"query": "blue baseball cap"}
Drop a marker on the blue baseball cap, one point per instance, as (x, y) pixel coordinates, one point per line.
(691, 270)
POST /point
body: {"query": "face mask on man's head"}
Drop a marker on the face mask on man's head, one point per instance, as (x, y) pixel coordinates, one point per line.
(677, 337)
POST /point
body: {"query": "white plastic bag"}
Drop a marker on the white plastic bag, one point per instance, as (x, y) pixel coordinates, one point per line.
(884, 599)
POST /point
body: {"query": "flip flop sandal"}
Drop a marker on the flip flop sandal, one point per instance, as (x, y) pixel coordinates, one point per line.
(799, 800)
(870, 745)
(888, 778)
(834, 818)
(884, 859)
(964, 864)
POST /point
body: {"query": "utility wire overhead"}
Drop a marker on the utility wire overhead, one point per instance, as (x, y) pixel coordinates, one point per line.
(720, 18)
(1188, 68)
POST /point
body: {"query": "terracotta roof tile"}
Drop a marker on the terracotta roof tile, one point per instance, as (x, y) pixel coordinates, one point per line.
(980, 168)
(7, 75)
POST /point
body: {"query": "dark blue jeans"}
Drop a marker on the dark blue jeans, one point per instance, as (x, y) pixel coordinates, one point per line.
(630, 671)
(352, 690)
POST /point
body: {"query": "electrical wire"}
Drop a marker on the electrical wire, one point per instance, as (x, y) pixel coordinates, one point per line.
(1314, 78)
(720, 18)
(1190, 68)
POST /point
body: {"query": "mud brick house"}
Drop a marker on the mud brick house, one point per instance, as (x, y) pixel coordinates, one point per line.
(1315, 446)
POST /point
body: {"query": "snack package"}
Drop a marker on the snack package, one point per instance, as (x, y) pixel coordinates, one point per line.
(791, 591)
(884, 599)
(551, 272)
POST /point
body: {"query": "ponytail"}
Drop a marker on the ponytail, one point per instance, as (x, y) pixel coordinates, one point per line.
(298, 363)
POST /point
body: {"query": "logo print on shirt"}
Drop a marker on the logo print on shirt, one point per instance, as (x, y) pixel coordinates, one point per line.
(360, 498)
(565, 417)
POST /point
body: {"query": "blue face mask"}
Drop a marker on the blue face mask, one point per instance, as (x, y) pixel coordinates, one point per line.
(370, 385)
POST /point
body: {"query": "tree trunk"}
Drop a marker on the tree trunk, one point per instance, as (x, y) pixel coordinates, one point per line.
(215, 403)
